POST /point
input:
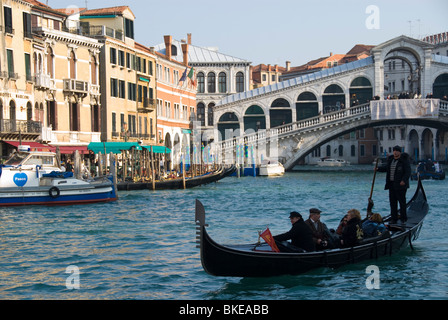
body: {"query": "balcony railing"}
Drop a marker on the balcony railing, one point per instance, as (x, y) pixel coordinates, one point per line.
(76, 86)
(20, 125)
(148, 105)
(42, 81)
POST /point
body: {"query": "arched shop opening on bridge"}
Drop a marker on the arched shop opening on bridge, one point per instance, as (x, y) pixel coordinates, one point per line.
(228, 126)
(440, 87)
(254, 119)
(280, 113)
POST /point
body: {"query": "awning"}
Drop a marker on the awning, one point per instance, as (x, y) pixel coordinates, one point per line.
(72, 149)
(117, 147)
(158, 149)
(34, 146)
(114, 147)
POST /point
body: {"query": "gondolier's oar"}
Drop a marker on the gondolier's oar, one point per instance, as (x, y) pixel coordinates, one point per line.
(370, 205)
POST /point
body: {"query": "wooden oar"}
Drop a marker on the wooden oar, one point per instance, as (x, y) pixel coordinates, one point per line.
(370, 204)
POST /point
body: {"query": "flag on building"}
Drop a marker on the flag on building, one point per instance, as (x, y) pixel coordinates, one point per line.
(267, 236)
(191, 75)
(184, 75)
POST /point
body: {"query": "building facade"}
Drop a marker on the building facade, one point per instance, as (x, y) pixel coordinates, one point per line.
(127, 77)
(217, 75)
(176, 103)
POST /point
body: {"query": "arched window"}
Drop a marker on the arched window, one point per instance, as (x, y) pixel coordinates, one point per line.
(201, 82)
(200, 111)
(210, 113)
(222, 82)
(239, 82)
(211, 82)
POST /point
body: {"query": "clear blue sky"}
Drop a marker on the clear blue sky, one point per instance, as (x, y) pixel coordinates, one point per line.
(274, 31)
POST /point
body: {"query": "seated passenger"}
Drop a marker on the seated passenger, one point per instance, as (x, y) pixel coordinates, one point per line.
(352, 232)
(374, 226)
(321, 235)
(300, 234)
(342, 225)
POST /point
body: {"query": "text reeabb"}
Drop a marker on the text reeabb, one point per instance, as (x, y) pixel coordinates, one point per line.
(246, 309)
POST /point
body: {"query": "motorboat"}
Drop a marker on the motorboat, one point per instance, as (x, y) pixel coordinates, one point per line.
(330, 162)
(35, 178)
(271, 169)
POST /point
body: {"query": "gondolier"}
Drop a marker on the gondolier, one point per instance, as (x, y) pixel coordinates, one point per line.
(398, 169)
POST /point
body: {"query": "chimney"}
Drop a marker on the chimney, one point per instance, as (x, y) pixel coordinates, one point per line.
(189, 38)
(331, 53)
(168, 41)
(185, 52)
(288, 65)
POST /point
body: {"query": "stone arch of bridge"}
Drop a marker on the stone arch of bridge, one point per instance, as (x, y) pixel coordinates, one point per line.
(312, 139)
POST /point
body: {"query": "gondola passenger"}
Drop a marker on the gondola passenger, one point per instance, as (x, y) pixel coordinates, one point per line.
(300, 234)
(352, 232)
(373, 226)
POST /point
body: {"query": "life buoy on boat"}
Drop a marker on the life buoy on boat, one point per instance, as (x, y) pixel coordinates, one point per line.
(54, 192)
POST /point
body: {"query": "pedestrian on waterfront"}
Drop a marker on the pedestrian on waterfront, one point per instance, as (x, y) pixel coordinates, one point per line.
(300, 234)
(398, 172)
(68, 166)
(352, 232)
(373, 226)
(321, 235)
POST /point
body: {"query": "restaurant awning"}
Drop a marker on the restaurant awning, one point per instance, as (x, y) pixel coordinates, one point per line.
(71, 149)
(34, 146)
(117, 147)
(114, 147)
(158, 149)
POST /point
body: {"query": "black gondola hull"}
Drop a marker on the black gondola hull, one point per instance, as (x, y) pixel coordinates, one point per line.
(178, 183)
(254, 260)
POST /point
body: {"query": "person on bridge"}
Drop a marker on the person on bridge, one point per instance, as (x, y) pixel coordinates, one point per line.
(398, 169)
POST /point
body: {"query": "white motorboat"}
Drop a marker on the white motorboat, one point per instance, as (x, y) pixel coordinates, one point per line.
(35, 178)
(329, 162)
(272, 169)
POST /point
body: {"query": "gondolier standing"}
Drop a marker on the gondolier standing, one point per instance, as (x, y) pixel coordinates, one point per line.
(398, 169)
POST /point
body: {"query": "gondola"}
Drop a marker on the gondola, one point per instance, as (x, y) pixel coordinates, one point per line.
(259, 260)
(178, 183)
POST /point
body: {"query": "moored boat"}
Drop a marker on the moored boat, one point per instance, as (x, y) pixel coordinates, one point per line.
(259, 260)
(35, 178)
(329, 162)
(271, 169)
(178, 183)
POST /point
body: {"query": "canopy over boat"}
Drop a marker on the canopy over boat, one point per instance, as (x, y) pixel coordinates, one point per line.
(259, 260)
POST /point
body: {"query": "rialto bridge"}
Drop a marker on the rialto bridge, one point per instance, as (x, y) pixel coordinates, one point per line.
(289, 119)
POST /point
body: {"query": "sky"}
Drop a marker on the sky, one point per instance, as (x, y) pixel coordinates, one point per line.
(276, 31)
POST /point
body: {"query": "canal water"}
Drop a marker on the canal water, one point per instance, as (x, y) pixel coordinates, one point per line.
(143, 246)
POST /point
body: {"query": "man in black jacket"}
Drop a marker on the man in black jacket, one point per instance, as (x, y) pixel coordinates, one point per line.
(300, 234)
(398, 169)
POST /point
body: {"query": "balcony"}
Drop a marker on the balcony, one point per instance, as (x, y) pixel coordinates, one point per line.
(13, 129)
(148, 105)
(76, 86)
(95, 90)
(44, 81)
